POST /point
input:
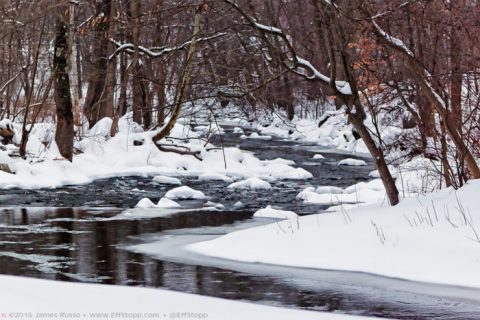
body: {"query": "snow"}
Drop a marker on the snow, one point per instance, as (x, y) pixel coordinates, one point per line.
(255, 135)
(103, 156)
(238, 130)
(90, 301)
(145, 203)
(238, 205)
(431, 238)
(318, 157)
(251, 183)
(167, 203)
(352, 162)
(214, 176)
(329, 189)
(361, 193)
(167, 180)
(184, 193)
(274, 130)
(334, 133)
(270, 212)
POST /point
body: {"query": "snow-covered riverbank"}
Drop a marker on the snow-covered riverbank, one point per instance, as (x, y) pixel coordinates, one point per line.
(432, 238)
(132, 152)
(20, 297)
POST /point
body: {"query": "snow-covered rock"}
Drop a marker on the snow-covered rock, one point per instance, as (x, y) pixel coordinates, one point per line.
(167, 180)
(145, 203)
(318, 157)
(255, 135)
(184, 193)
(251, 183)
(167, 203)
(238, 205)
(351, 162)
(238, 130)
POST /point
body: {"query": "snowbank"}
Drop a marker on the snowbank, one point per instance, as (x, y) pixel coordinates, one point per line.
(91, 301)
(360, 193)
(131, 152)
(433, 238)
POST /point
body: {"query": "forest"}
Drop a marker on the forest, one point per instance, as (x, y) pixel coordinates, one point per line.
(284, 109)
(76, 62)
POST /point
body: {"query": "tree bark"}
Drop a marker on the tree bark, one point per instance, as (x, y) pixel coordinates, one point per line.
(356, 116)
(95, 104)
(64, 133)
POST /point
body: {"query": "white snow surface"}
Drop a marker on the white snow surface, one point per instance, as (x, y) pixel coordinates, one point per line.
(255, 135)
(167, 180)
(167, 203)
(431, 238)
(251, 183)
(214, 176)
(104, 156)
(351, 162)
(269, 212)
(145, 203)
(184, 193)
(318, 157)
(24, 295)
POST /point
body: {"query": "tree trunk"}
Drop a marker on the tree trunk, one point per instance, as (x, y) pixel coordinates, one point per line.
(95, 104)
(161, 98)
(184, 82)
(121, 108)
(356, 118)
(73, 67)
(64, 133)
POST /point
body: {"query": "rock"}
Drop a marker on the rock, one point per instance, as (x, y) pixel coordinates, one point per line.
(138, 142)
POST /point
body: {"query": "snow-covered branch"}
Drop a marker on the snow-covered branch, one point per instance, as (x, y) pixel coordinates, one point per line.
(296, 63)
(157, 51)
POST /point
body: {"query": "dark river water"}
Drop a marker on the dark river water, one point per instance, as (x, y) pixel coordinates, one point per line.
(74, 233)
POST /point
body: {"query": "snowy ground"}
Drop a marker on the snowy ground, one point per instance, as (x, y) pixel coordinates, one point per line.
(432, 238)
(102, 156)
(22, 298)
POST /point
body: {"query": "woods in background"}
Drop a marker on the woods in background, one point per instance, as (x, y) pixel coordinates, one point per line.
(416, 62)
